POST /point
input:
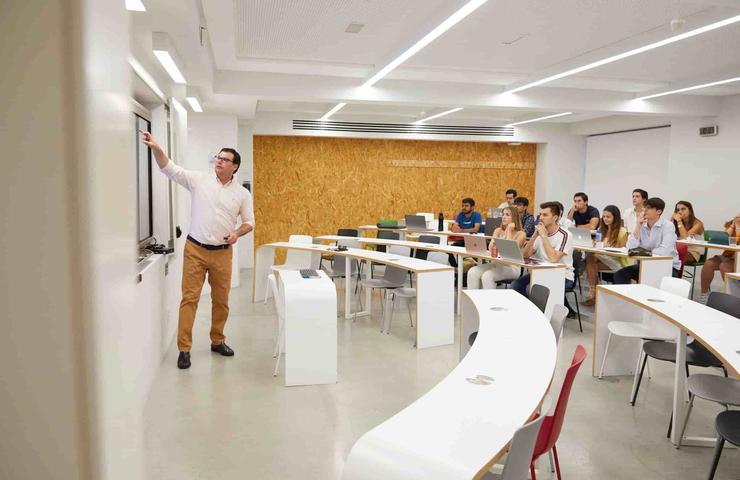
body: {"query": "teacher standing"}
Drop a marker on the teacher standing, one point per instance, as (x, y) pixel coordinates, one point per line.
(217, 202)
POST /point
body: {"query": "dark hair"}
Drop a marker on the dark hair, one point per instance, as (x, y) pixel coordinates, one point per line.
(582, 195)
(521, 201)
(237, 158)
(642, 193)
(555, 207)
(511, 191)
(692, 218)
(656, 203)
(611, 235)
(469, 201)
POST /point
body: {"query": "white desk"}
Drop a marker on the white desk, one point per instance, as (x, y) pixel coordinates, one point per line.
(434, 287)
(719, 332)
(411, 231)
(732, 283)
(458, 430)
(550, 275)
(652, 269)
(310, 328)
(716, 246)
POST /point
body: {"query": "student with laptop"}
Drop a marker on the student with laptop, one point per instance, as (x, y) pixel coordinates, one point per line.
(510, 196)
(582, 214)
(550, 243)
(467, 221)
(488, 274)
(655, 234)
(521, 204)
(639, 197)
(614, 236)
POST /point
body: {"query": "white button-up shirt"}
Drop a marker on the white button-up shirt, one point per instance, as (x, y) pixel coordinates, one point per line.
(661, 240)
(215, 207)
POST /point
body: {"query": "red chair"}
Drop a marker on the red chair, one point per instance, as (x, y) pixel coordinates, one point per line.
(683, 252)
(550, 430)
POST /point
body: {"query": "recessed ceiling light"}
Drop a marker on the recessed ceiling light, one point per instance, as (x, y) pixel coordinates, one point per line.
(167, 56)
(135, 6)
(334, 110)
(539, 118)
(688, 89)
(191, 95)
(635, 51)
(447, 112)
(354, 28)
(453, 19)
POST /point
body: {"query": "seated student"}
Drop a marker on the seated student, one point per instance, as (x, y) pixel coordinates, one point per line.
(490, 273)
(655, 234)
(550, 243)
(467, 221)
(639, 197)
(510, 196)
(724, 263)
(582, 214)
(615, 236)
(564, 221)
(521, 204)
(688, 227)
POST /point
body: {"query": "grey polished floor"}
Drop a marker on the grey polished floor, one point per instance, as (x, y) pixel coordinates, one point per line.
(229, 418)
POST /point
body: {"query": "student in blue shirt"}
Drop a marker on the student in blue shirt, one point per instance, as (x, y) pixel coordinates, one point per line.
(467, 221)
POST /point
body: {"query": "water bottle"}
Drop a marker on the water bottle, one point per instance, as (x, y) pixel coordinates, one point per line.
(440, 222)
(597, 238)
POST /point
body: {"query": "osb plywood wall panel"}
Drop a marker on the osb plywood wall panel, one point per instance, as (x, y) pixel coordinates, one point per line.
(315, 185)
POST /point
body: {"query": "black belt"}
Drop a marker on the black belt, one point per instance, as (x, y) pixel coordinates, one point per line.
(208, 247)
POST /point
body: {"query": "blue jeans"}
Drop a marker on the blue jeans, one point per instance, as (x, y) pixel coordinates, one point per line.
(521, 285)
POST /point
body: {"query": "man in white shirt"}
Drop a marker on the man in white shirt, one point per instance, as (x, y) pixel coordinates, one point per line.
(652, 233)
(639, 197)
(510, 196)
(217, 202)
(550, 243)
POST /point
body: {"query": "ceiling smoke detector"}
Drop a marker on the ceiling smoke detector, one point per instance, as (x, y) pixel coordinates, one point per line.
(354, 28)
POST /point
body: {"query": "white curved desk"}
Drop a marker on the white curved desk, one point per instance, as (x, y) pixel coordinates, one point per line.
(434, 287)
(718, 331)
(651, 269)
(732, 283)
(458, 430)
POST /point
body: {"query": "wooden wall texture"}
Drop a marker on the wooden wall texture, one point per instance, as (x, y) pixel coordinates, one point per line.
(315, 185)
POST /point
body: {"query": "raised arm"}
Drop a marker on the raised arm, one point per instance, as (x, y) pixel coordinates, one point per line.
(175, 172)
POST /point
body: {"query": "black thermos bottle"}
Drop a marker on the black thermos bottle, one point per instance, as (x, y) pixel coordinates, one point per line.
(440, 222)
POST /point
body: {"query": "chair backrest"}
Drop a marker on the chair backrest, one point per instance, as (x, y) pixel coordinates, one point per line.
(300, 258)
(386, 235)
(394, 275)
(400, 251)
(557, 320)
(683, 251)
(348, 232)
(338, 266)
(550, 430)
(538, 295)
(438, 257)
(658, 325)
(717, 236)
(724, 302)
(522, 446)
(423, 254)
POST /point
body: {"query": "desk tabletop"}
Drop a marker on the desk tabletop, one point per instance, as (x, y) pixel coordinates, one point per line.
(458, 428)
(617, 252)
(718, 331)
(423, 232)
(719, 246)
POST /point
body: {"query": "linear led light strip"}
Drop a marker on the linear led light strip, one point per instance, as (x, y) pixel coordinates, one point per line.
(651, 46)
(432, 117)
(688, 89)
(539, 118)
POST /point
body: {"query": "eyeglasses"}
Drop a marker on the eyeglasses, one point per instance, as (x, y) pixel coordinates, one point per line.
(217, 158)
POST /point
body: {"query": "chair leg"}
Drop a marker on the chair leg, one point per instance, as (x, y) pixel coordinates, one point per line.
(557, 462)
(686, 420)
(606, 351)
(390, 315)
(717, 454)
(552, 462)
(531, 471)
(670, 426)
(281, 333)
(636, 385)
(408, 307)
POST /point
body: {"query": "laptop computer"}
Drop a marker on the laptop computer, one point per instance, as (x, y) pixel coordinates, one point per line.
(581, 237)
(416, 222)
(509, 250)
(475, 244)
(492, 223)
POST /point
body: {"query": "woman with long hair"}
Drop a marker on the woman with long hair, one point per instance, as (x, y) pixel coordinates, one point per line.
(688, 227)
(614, 235)
(488, 274)
(724, 263)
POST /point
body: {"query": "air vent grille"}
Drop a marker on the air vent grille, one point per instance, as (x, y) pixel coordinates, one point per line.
(410, 128)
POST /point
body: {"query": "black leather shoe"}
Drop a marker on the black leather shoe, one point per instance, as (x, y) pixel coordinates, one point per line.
(223, 349)
(183, 360)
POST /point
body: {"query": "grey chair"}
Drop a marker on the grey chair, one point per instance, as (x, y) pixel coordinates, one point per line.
(728, 429)
(385, 235)
(538, 294)
(342, 232)
(423, 254)
(522, 447)
(407, 294)
(392, 278)
(557, 320)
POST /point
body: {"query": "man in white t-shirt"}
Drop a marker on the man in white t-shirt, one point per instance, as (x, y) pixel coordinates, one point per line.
(550, 243)
(639, 197)
(510, 196)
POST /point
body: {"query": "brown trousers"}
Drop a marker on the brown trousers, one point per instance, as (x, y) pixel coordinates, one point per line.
(197, 262)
